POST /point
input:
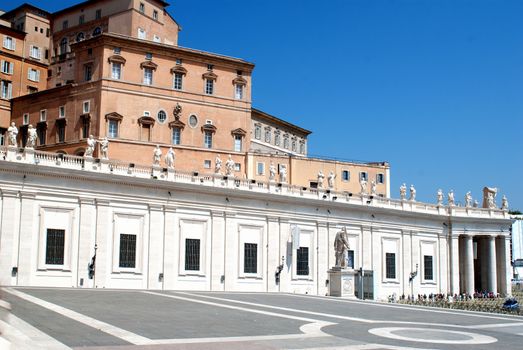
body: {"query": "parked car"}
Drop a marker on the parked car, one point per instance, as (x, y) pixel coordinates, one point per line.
(511, 304)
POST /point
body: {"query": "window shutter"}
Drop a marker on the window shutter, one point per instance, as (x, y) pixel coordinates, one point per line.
(29, 73)
(31, 48)
(5, 41)
(14, 43)
(37, 75)
(9, 90)
(2, 66)
(11, 67)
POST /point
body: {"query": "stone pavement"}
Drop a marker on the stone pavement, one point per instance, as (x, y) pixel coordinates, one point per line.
(49, 318)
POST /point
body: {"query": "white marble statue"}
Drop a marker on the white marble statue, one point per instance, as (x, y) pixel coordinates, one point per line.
(104, 148)
(31, 137)
(218, 165)
(440, 197)
(450, 197)
(91, 145)
(169, 158)
(468, 199)
(476, 204)
(321, 176)
(272, 172)
(373, 188)
(504, 203)
(491, 201)
(341, 245)
(283, 173)
(330, 179)
(157, 155)
(12, 134)
(403, 192)
(229, 166)
(412, 193)
(363, 187)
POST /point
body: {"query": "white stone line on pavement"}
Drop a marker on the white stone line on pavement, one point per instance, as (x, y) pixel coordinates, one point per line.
(365, 347)
(23, 336)
(89, 321)
(496, 325)
(471, 338)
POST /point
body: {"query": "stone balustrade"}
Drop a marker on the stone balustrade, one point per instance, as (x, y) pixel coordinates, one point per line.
(116, 167)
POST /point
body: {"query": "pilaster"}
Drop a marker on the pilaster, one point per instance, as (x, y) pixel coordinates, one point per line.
(324, 251)
(154, 255)
(171, 248)
(274, 253)
(103, 240)
(9, 236)
(86, 240)
(26, 253)
(218, 250)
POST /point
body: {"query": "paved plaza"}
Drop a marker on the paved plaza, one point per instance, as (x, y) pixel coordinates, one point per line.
(114, 319)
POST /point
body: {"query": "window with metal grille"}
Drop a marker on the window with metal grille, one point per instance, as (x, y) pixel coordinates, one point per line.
(302, 261)
(177, 135)
(390, 265)
(250, 258)
(85, 127)
(192, 254)
(54, 250)
(127, 250)
(208, 139)
(427, 267)
(209, 86)
(178, 81)
(60, 129)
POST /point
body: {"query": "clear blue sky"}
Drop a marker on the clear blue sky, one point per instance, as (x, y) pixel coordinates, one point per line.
(433, 87)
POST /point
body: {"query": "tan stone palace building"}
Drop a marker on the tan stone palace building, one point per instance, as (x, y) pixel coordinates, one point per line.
(79, 211)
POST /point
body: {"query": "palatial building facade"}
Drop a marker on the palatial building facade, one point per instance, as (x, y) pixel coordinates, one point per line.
(114, 70)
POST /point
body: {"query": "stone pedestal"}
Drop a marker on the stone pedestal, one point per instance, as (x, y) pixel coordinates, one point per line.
(11, 153)
(157, 171)
(170, 174)
(342, 282)
(29, 155)
(88, 163)
(104, 165)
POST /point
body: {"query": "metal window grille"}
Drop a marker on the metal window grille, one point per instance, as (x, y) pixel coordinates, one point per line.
(192, 254)
(127, 250)
(54, 251)
(208, 139)
(178, 80)
(302, 261)
(427, 267)
(250, 258)
(390, 265)
(176, 136)
(113, 128)
(61, 133)
(209, 86)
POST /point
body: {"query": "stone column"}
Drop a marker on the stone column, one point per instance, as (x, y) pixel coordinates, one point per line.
(505, 269)
(491, 272)
(454, 264)
(469, 264)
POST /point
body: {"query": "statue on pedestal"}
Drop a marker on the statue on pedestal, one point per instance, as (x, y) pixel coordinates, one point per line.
(491, 201)
(283, 173)
(91, 144)
(363, 185)
(272, 171)
(504, 203)
(169, 158)
(12, 133)
(450, 198)
(440, 197)
(229, 166)
(468, 200)
(218, 165)
(321, 176)
(373, 188)
(331, 178)
(412, 193)
(31, 137)
(341, 245)
(476, 204)
(104, 148)
(403, 192)
(157, 155)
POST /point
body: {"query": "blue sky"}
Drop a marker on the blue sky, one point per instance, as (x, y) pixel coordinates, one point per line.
(433, 87)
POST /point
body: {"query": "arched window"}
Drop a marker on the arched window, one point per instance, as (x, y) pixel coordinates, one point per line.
(80, 36)
(97, 31)
(162, 117)
(63, 46)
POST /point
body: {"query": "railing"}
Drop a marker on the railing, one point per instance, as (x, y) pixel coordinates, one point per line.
(116, 167)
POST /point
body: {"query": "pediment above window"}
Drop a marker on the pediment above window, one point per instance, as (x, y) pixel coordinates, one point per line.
(239, 132)
(177, 124)
(239, 81)
(209, 75)
(146, 120)
(148, 64)
(209, 127)
(114, 116)
(178, 69)
(117, 59)
(40, 125)
(86, 116)
(61, 121)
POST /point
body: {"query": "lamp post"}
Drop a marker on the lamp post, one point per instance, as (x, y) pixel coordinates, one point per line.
(411, 280)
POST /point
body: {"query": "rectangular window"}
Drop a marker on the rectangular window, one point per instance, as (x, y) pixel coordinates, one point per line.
(98, 14)
(60, 130)
(260, 168)
(148, 56)
(237, 167)
(277, 139)
(208, 139)
(6, 89)
(179, 61)
(178, 81)
(43, 115)
(148, 76)
(86, 107)
(192, 254)
(302, 261)
(350, 259)
(380, 178)
(127, 251)
(157, 39)
(237, 143)
(209, 86)
(86, 123)
(33, 74)
(117, 50)
(31, 89)
(239, 92)
(155, 14)
(302, 148)
(55, 244)
(7, 67)
(207, 164)
(40, 131)
(9, 43)
(113, 129)
(61, 112)
(88, 72)
(390, 265)
(176, 136)
(345, 175)
(364, 176)
(428, 272)
(25, 119)
(116, 72)
(65, 24)
(81, 19)
(2, 138)
(35, 52)
(142, 7)
(210, 67)
(257, 132)
(142, 34)
(268, 135)
(250, 258)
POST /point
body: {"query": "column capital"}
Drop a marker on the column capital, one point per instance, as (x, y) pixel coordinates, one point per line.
(156, 207)
(86, 201)
(102, 202)
(9, 193)
(217, 213)
(27, 195)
